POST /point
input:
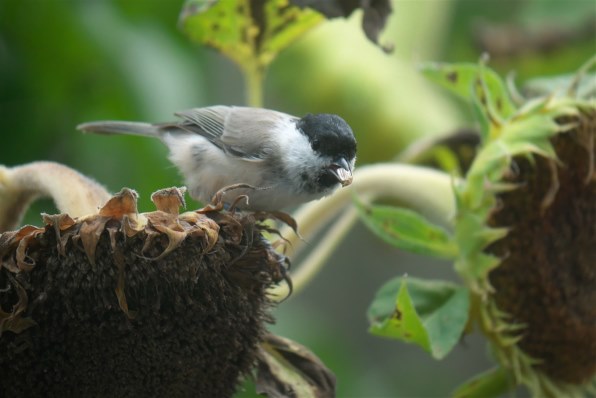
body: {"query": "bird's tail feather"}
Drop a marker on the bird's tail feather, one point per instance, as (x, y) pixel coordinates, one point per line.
(116, 127)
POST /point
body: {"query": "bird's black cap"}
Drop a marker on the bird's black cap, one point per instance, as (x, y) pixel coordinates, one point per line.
(328, 135)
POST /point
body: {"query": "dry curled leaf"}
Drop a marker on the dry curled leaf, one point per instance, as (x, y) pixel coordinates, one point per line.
(288, 369)
(60, 222)
(14, 321)
(375, 14)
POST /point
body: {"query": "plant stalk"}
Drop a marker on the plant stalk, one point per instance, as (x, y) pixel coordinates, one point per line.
(426, 190)
(254, 75)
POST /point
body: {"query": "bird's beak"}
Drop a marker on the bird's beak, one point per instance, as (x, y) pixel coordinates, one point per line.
(342, 170)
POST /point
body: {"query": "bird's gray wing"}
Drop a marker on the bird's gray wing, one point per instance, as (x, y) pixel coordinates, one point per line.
(247, 133)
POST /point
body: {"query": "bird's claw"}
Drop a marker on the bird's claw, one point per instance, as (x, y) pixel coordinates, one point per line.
(217, 201)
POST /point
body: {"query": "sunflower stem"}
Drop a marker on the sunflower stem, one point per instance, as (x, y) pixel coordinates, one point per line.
(254, 75)
(425, 190)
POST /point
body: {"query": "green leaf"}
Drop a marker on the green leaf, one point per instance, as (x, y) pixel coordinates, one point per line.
(431, 314)
(530, 128)
(406, 229)
(584, 86)
(519, 136)
(475, 83)
(492, 383)
(403, 323)
(446, 159)
(248, 32)
(468, 226)
(476, 267)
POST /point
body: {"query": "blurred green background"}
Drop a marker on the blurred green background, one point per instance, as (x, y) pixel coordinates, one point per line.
(64, 62)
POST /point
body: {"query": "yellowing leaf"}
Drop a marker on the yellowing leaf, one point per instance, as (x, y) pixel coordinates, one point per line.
(247, 32)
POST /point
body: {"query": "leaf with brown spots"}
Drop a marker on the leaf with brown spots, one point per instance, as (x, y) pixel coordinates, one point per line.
(431, 314)
(477, 84)
(251, 33)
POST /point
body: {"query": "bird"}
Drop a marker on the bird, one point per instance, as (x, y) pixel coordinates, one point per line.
(282, 160)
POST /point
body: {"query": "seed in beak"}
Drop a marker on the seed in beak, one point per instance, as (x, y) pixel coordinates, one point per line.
(342, 171)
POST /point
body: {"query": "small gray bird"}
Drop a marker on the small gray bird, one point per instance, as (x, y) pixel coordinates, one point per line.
(289, 160)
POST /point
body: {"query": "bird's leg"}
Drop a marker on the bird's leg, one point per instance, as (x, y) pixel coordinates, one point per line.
(217, 201)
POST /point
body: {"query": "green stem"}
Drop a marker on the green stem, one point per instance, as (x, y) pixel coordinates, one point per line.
(254, 75)
(313, 263)
(425, 190)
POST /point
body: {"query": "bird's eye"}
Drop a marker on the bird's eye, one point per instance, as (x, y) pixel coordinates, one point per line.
(316, 144)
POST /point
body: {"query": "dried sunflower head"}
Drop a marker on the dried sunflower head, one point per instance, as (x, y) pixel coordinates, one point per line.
(120, 304)
(523, 241)
(546, 279)
(526, 230)
(526, 221)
